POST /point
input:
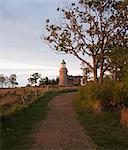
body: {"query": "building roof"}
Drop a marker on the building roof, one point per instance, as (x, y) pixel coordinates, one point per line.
(75, 76)
(63, 62)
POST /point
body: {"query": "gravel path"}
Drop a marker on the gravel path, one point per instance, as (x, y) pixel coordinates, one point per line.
(61, 130)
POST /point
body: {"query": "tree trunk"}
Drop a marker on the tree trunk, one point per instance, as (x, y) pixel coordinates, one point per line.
(115, 74)
(95, 74)
(101, 67)
(94, 70)
(101, 70)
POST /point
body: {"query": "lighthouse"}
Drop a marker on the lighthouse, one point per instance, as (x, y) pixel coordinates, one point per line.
(63, 77)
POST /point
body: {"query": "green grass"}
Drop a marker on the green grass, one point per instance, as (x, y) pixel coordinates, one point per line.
(15, 129)
(104, 129)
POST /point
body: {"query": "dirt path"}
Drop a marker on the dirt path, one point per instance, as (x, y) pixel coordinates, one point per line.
(61, 130)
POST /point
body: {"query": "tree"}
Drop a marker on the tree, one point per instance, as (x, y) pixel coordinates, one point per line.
(90, 29)
(119, 62)
(41, 81)
(12, 80)
(2, 80)
(126, 2)
(47, 81)
(34, 78)
(57, 81)
(7, 82)
(86, 71)
(31, 81)
(44, 81)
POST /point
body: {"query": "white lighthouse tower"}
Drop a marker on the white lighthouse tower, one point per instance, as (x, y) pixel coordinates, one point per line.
(63, 77)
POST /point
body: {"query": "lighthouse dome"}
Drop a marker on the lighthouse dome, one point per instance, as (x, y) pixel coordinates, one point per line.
(63, 64)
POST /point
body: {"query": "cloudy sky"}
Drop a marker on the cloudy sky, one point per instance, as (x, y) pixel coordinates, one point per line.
(21, 49)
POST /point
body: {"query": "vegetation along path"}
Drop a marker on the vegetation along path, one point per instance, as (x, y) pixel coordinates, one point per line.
(61, 130)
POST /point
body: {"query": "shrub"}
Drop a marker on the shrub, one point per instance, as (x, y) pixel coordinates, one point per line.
(112, 95)
(120, 96)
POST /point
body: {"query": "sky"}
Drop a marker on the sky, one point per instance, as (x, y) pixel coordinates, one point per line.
(21, 50)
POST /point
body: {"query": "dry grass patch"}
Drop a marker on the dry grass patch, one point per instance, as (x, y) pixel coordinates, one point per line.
(124, 117)
(96, 106)
(12, 100)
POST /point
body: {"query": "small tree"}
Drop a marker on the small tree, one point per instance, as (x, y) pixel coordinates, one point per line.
(47, 81)
(86, 74)
(86, 71)
(12, 80)
(7, 82)
(31, 81)
(57, 81)
(44, 81)
(34, 78)
(90, 29)
(2, 80)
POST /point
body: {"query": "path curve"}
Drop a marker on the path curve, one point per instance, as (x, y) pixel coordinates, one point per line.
(61, 130)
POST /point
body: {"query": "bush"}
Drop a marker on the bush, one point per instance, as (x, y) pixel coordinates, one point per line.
(120, 96)
(112, 95)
